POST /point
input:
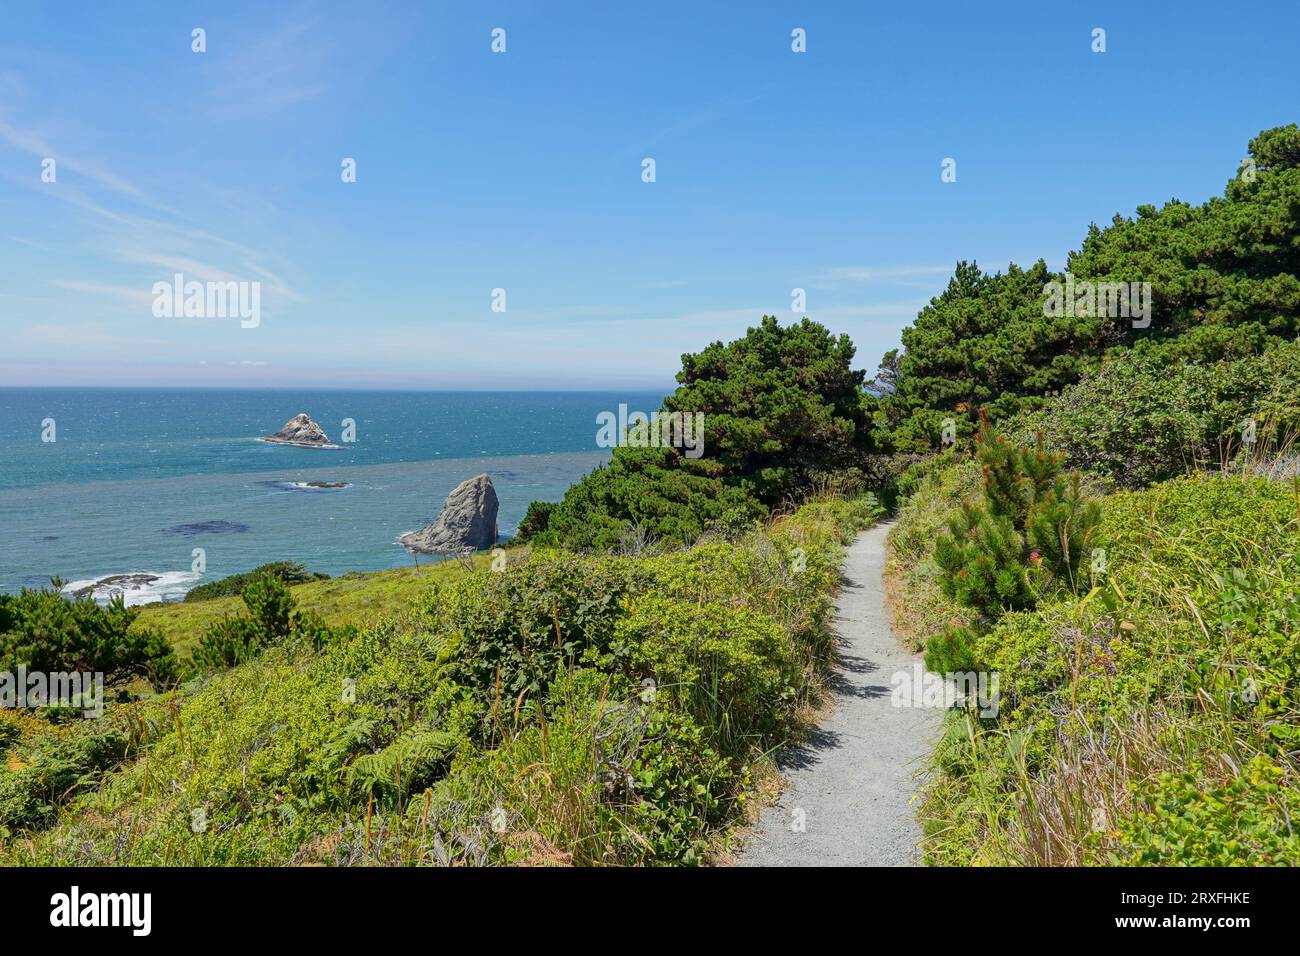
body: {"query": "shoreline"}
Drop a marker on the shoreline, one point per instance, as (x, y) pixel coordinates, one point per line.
(136, 588)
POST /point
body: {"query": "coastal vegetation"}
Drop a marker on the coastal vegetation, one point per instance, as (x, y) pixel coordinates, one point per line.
(1224, 276)
(783, 412)
(1149, 717)
(44, 630)
(584, 709)
(1103, 513)
(287, 572)
(354, 599)
(1149, 708)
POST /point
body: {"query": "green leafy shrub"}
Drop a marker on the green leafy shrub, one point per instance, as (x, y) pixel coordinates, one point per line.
(1189, 528)
(271, 619)
(1255, 663)
(51, 771)
(47, 631)
(287, 572)
(1242, 823)
(598, 779)
(514, 631)
(1149, 415)
(729, 668)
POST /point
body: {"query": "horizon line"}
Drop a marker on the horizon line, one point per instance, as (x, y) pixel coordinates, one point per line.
(334, 388)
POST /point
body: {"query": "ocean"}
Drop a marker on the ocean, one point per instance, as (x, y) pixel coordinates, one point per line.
(136, 480)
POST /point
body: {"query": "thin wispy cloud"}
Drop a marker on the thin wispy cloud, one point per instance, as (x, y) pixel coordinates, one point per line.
(35, 144)
(191, 268)
(117, 234)
(125, 294)
(30, 243)
(269, 72)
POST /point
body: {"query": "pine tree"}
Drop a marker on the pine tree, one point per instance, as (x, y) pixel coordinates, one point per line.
(983, 562)
(1060, 528)
(1034, 519)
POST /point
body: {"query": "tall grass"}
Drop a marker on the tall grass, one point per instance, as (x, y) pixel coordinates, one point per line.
(1155, 719)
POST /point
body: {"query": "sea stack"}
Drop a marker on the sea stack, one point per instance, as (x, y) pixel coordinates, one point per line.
(301, 431)
(468, 521)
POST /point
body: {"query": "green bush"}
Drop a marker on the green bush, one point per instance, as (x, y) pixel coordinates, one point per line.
(47, 631)
(653, 489)
(271, 619)
(1148, 415)
(728, 668)
(287, 572)
(52, 771)
(537, 520)
(952, 650)
(1242, 823)
(1028, 537)
(513, 631)
(597, 778)
(1189, 528)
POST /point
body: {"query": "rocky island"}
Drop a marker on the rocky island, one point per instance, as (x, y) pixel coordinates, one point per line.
(302, 432)
(467, 521)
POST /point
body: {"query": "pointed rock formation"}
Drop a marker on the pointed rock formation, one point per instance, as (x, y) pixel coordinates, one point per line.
(301, 431)
(468, 520)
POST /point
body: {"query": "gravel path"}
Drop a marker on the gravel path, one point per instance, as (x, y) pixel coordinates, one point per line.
(854, 776)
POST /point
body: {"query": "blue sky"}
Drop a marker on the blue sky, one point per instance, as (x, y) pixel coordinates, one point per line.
(522, 171)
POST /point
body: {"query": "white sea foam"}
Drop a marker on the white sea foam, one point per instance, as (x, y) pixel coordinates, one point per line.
(137, 587)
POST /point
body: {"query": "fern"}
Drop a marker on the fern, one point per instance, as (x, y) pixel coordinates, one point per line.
(413, 759)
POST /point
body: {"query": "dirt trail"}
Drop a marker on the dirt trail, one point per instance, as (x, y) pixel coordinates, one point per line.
(854, 777)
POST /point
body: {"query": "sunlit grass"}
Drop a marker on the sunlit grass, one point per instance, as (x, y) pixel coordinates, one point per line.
(359, 598)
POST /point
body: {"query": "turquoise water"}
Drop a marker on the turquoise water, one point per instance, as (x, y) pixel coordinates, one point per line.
(136, 480)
